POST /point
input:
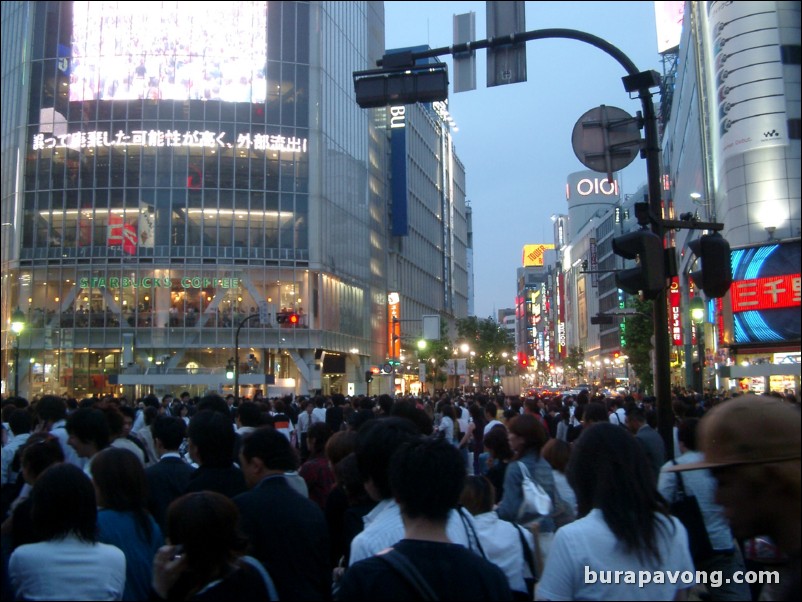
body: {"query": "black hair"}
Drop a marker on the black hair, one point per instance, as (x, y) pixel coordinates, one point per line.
(249, 414)
(686, 433)
(427, 476)
(119, 478)
(406, 408)
(212, 401)
(51, 408)
(170, 430)
(205, 523)
(90, 426)
(213, 435)
(271, 447)
(491, 409)
(609, 470)
(20, 422)
(595, 411)
(63, 503)
(40, 451)
(377, 440)
(320, 432)
(497, 442)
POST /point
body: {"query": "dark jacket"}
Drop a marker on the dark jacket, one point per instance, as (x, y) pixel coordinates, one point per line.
(167, 480)
(289, 536)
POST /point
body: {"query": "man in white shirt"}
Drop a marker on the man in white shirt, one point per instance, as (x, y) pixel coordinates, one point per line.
(491, 410)
(19, 426)
(384, 527)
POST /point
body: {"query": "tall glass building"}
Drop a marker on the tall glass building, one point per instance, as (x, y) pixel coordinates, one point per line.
(181, 181)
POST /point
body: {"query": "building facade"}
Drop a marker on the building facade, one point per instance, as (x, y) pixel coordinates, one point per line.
(180, 196)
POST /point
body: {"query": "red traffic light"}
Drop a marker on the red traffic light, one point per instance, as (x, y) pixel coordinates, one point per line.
(292, 319)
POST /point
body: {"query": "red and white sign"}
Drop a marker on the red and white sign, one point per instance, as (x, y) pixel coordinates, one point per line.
(771, 292)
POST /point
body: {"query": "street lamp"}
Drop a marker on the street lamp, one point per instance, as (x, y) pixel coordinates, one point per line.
(697, 307)
(17, 326)
(236, 354)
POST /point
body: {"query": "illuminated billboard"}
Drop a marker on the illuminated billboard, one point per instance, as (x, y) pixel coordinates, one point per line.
(765, 293)
(169, 51)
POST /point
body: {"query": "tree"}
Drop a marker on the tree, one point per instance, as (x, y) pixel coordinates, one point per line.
(487, 339)
(638, 331)
(574, 363)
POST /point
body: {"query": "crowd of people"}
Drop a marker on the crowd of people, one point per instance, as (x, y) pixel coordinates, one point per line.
(395, 498)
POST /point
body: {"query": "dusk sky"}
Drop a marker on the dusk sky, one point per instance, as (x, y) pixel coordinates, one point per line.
(515, 140)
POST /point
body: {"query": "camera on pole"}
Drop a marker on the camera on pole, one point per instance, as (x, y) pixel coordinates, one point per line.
(715, 275)
(648, 277)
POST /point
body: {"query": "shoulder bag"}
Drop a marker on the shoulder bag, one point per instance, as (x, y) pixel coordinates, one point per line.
(535, 499)
(686, 508)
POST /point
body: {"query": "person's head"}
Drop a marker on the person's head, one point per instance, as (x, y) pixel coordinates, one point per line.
(265, 451)
(249, 414)
(211, 439)
(205, 523)
(478, 495)
(128, 415)
(149, 415)
(115, 419)
(63, 503)
(88, 431)
(491, 409)
(557, 453)
(317, 436)
(477, 414)
(526, 434)
(51, 409)
(594, 413)
(168, 433)
(20, 422)
(751, 445)
(636, 418)
(497, 443)
(609, 470)
(39, 452)
(119, 480)
(213, 402)
(426, 478)
(339, 445)
(346, 474)
(686, 433)
(376, 442)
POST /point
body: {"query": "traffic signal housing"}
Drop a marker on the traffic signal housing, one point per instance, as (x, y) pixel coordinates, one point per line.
(369, 376)
(649, 276)
(715, 275)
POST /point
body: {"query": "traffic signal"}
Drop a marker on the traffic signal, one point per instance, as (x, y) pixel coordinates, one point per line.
(715, 275)
(369, 376)
(290, 318)
(523, 361)
(649, 276)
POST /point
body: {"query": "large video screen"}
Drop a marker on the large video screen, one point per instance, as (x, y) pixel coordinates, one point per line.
(169, 51)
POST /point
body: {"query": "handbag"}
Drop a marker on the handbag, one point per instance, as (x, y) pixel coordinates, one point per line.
(535, 499)
(686, 508)
(529, 558)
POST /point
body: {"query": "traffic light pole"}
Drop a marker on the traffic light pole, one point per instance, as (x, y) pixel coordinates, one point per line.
(635, 81)
(236, 354)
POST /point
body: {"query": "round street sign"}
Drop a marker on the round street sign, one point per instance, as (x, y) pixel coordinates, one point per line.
(606, 139)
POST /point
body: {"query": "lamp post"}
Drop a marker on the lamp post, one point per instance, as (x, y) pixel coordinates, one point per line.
(697, 308)
(17, 326)
(236, 354)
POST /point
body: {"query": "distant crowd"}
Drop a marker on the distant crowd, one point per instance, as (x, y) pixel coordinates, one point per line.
(448, 496)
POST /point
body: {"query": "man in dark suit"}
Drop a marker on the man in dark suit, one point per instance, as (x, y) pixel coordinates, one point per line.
(169, 477)
(288, 532)
(648, 437)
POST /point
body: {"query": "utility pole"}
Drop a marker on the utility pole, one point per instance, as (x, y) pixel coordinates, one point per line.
(403, 65)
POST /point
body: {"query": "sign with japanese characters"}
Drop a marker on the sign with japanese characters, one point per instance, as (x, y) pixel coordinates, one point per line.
(169, 138)
(765, 293)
